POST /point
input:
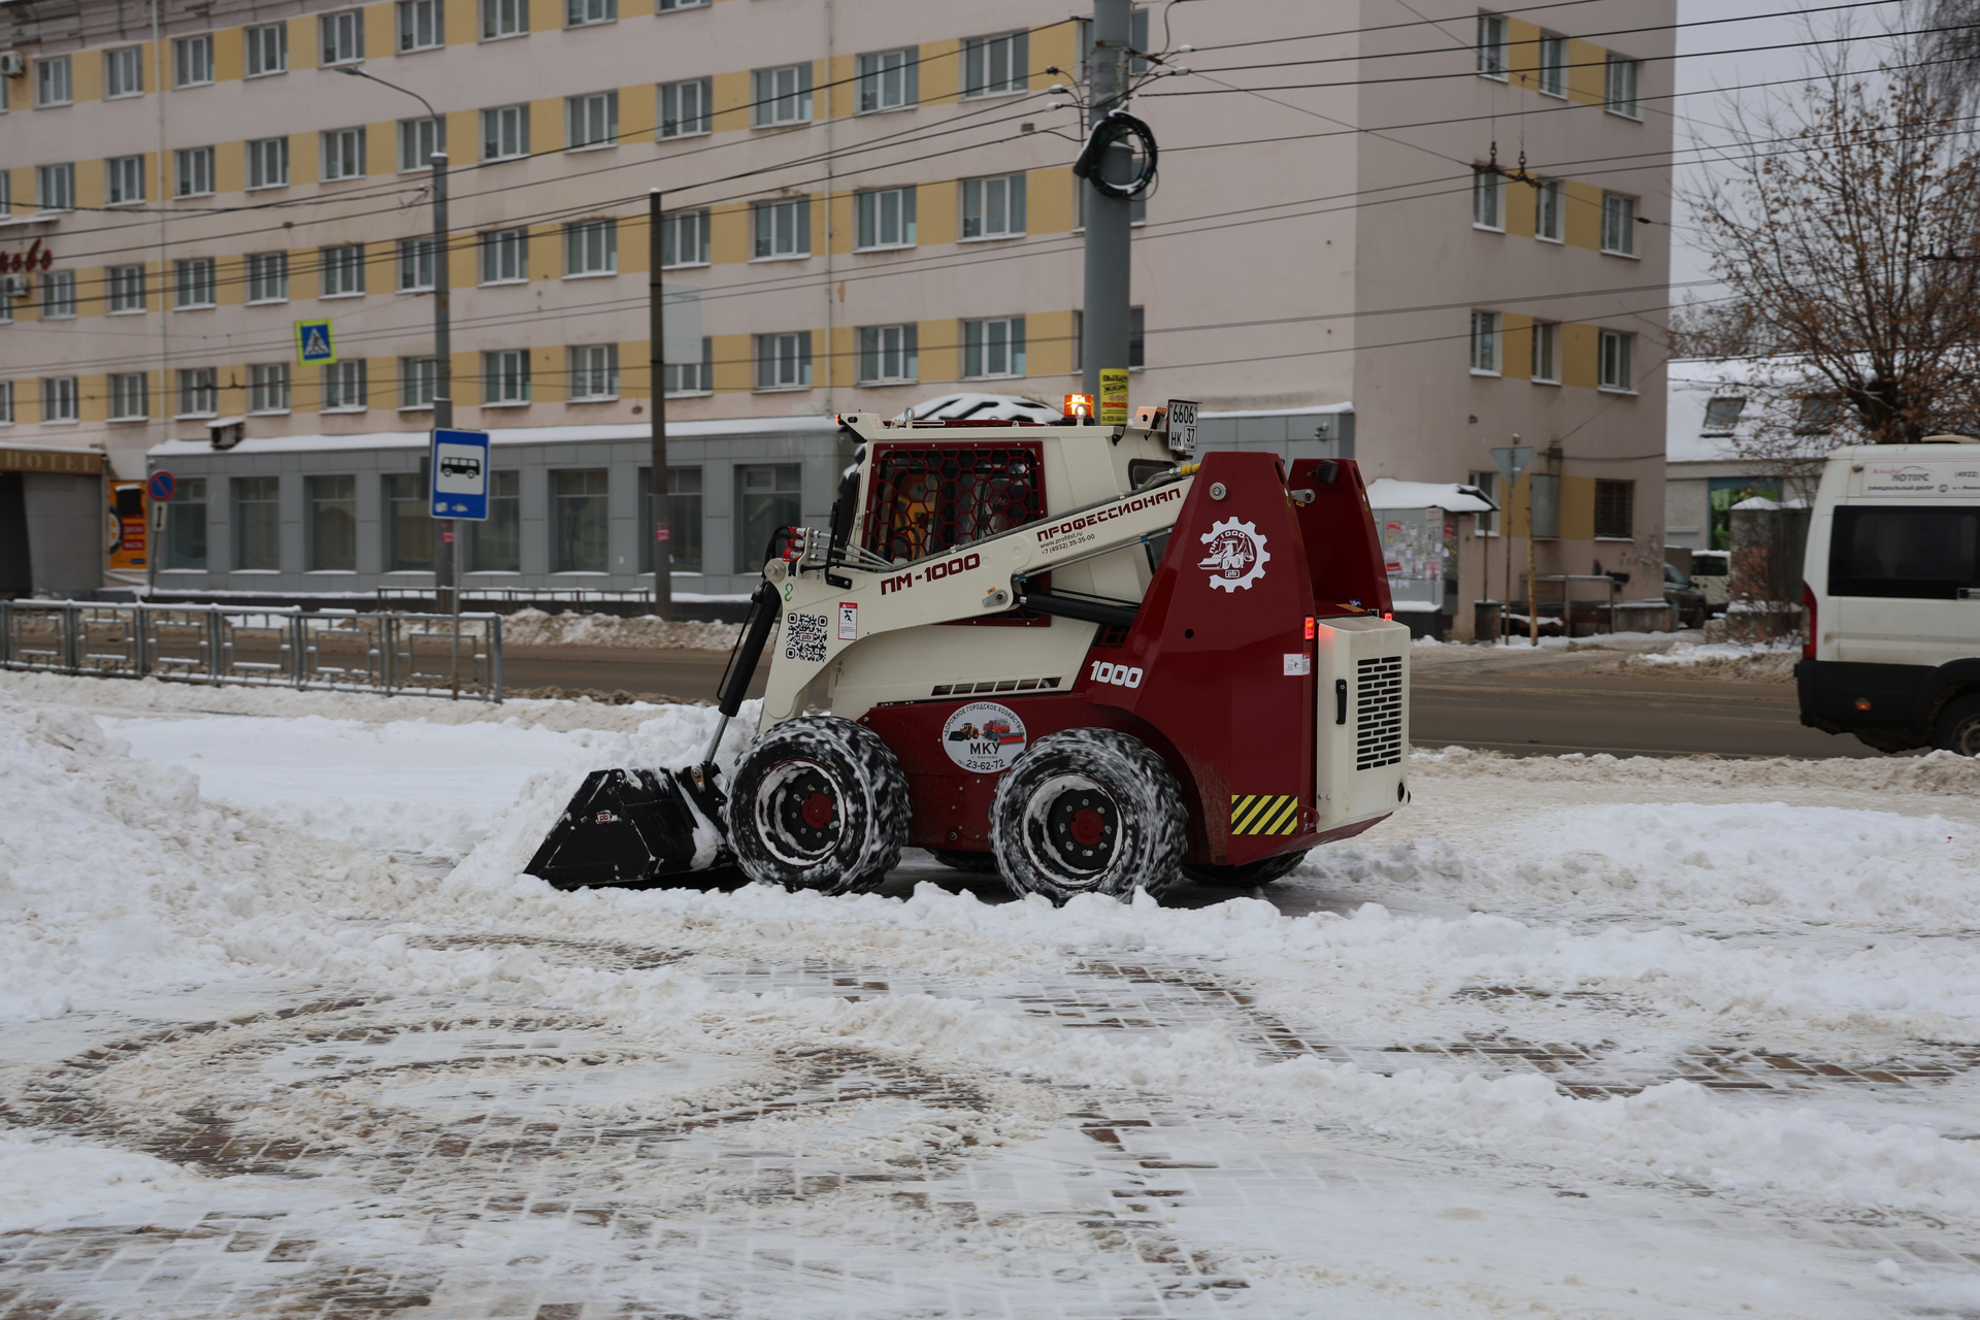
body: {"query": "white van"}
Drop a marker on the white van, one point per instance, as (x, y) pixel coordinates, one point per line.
(1891, 583)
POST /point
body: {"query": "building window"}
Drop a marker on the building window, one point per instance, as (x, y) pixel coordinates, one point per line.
(769, 497)
(993, 208)
(584, 13)
(692, 377)
(505, 132)
(1486, 521)
(268, 162)
(579, 522)
(889, 80)
(993, 348)
(127, 292)
(666, 6)
(1484, 343)
(342, 270)
(268, 387)
(684, 239)
(55, 187)
(886, 218)
(199, 392)
(420, 25)
(123, 72)
(1548, 211)
(494, 545)
(130, 397)
(1613, 371)
(1619, 86)
(344, 388)
(591, 120)
(58, 295)
(52, 82)
(343, 154)
(268, 277)
(888, 355)
(780, 96)
(193, 283)
(686, 108)
(1618, 225)
(1553, 64)
(192, 61)
(783, 361)
(1815, 414)
(408, 524)
(420, 140)
(505, 377)
(504, 18)
(1615, 509)
(592, 373)
(419, 381)
(332, 524)
(60, 399)
(1546, 353)
(995, 65)
(185, 525)
(591, 247)
(415, 264)
(267, 50)
(192, 172)
(1488, 198)
(504, 256)
(1137, 338)
(258, 523)
(6, 402)
(1722, 415)
(123, 180)
(342, 37)
(683, 519)
(781, 229)
(1492, 60)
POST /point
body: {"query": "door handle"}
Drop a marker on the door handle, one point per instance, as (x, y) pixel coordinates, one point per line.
(1340, 701)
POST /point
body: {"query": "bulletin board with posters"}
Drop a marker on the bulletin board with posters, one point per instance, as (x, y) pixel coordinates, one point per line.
(127, 529)
(1419, 547)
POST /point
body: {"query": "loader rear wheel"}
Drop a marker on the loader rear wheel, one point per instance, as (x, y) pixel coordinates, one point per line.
(1089, 811)
(1261, 872)
(818, 803)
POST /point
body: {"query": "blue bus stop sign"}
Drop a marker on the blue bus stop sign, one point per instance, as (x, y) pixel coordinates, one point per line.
(459, 467)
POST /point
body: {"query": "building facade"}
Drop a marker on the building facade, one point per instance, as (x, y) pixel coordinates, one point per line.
(1446, 227)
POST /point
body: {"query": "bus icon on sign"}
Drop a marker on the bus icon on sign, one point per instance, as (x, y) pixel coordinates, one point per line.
(461, 466)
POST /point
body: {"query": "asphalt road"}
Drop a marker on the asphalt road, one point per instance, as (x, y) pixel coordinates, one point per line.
(1532, 706)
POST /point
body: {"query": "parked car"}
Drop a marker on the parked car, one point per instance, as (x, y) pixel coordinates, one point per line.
(1711, 573)
(1689, 608)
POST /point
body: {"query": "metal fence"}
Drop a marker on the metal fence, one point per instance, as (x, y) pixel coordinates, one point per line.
(419, 654)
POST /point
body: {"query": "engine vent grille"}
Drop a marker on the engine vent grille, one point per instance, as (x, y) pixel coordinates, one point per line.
(1378, 699)
(995, 685)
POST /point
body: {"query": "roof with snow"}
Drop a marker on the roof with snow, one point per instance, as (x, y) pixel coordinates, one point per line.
(1450, 496)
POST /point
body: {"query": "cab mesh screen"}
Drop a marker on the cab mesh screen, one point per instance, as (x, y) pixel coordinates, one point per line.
(926, 499)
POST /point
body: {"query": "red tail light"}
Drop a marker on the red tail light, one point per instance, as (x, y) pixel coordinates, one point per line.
(1808, 621)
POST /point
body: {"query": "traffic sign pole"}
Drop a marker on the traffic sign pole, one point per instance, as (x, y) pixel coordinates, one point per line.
(1512, 461)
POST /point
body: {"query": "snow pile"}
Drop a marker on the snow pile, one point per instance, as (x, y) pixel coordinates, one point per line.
(1937, 773)
(643, 632)
(51, 1179)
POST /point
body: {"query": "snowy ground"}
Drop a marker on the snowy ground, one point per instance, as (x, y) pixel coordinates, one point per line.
(283, 1032)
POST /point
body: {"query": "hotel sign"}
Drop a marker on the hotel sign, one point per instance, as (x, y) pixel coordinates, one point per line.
(73, 462)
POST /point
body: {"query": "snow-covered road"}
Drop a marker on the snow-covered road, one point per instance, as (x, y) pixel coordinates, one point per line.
(1569, 1037)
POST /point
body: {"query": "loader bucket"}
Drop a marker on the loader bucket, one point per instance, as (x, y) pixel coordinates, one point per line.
(629, 826)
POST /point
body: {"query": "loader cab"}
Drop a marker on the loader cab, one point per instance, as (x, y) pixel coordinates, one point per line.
(928, 496)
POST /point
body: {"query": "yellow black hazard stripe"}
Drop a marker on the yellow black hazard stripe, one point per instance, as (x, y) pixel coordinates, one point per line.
(1264, 813)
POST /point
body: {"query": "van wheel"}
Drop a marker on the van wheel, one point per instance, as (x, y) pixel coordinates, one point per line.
(1089, 811)
(1261, 872)
(1958, 729)
(818, 803)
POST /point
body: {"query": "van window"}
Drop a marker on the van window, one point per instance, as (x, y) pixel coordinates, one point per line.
(1919, 553)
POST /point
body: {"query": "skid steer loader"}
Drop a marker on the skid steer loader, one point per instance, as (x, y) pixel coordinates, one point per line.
(1062, 653)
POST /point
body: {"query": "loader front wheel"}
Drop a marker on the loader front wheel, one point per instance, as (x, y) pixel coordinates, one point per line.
(1089, 811)
(818, 803)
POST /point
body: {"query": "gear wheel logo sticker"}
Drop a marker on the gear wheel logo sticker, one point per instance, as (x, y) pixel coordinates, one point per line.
(1236, 556)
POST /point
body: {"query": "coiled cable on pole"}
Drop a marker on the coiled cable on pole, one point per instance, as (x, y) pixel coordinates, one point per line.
(1116, 126)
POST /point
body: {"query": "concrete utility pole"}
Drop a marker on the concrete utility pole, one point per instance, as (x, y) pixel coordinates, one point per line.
(1105, 317)
(656, 330)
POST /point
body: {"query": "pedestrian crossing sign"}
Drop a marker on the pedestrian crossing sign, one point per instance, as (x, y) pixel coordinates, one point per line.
(315, 345)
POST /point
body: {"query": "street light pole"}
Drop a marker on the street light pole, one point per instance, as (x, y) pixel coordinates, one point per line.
(661, 531)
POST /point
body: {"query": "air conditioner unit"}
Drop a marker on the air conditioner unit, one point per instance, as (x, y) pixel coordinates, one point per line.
(14, 286)
(12, 63)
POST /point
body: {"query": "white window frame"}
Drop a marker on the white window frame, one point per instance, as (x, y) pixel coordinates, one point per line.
(61, 400)
(58, 295)
(1488, 199)
(192, 61)
(419, 383)
(669, 6)
(502, 19)
(128, 402)
(501, 250)
(1493, 61)
(683, 230)
(54, 82)
(123, 73)
(1614, 354)
(422, 25)
(420, 140)
(1618, 225)
(416, 265)
(1620, 78)
(1487, 339)
(592, 373)
(198, 392)
(267, 163)
(55, 187)
(340, 270)
(506, 129)
(345, 387)
(590, 13)
(268, 387)
(985, 340)
(881, 211)
(267, 50)
(6, 403)
(993, 207)
(889, 80)
(591, 121)
(780, 95)
(195, 283)
(686, 379)
(889, 354)
(783, 361)
(127, 291)
(591, 249)
(1729, 426)
(984, 57)
(267, 277)
(1551, 77)
(686, 108)
(123, 180)
(505, 378)
(768, 229)
(193, 172)
(1546, 363)
(1550, 211)
(340, 38)
(342, 150)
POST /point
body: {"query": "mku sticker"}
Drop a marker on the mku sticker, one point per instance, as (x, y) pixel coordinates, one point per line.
(984, 737)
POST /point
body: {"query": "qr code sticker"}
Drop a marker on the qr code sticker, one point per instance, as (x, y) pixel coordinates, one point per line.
(804, 637)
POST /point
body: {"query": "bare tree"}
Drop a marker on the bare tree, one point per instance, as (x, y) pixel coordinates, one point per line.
(1715, 329)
